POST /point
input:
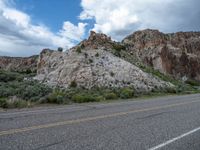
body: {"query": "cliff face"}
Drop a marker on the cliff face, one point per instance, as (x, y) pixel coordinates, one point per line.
(19, 64)
(90, 64)
(175, 54)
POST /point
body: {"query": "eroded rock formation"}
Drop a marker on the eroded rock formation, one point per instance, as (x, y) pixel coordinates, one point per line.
(19, 64)
(176, 54)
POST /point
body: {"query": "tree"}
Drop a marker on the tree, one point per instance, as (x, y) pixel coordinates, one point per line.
(60, 49)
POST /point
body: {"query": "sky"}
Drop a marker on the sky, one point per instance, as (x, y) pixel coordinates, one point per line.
(28, 26)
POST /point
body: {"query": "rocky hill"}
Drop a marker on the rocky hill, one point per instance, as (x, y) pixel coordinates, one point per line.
(91, 64)
(19, 64)
(101, 62)
(176, 54)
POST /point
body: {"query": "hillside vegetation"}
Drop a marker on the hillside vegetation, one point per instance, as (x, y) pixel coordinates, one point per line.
(18, 90)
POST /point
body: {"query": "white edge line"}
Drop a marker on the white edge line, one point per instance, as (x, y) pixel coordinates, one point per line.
(174, 139)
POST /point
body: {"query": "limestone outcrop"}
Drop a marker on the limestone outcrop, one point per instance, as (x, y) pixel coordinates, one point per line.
(90, 64)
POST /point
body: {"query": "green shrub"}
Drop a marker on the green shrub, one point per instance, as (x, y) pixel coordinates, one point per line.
(69, 93)
(84, 97)
(78, 50)
(99, 98)
(18, 104)
(118, 47)
(32, 90)
(73, 84)
(97, 55)
(28, 71)
(86, 55)
(3, 103)
(6, 91)
(43, 100)
(117, 53)
(110, 96)
(82, 46)
(60, 99)
(171, 90)
(126, 93)
(90, 61)
(180, 88)
(112, 74)
(57, 96)
(160, 75)
(192, 82)
(52, 98)
(56, 99)
(26, 90)
(6, 76)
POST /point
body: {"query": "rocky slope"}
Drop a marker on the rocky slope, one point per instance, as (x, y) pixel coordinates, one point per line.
(90, 64)
(100, 62)
(19, 64)
(176, 54)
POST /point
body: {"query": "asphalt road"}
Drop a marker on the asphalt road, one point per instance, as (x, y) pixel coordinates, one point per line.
(168, 123)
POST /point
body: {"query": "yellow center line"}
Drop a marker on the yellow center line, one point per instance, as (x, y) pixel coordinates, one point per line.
(68, 122)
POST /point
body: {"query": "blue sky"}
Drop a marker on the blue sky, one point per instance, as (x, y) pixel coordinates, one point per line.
(28, 26)
(51, 12)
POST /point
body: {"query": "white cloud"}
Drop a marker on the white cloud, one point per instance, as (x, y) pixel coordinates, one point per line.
(19, 37)
(21, 19)
(117, 18)
(73, 32)
(121, 17)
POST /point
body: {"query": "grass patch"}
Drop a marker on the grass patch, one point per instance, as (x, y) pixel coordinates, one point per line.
(15, 92)
(17, 103)
(110, 96)
(84, 97)
(126, 93)
(26, 90)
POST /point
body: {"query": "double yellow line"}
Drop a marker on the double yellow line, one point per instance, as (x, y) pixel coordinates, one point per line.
(68, 122)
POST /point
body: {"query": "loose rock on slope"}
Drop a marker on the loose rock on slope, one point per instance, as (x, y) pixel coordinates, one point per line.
(90, 64)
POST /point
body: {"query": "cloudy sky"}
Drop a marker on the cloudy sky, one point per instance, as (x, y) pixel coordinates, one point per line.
(27, 26)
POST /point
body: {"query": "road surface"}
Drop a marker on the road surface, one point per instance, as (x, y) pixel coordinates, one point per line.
(167, 123)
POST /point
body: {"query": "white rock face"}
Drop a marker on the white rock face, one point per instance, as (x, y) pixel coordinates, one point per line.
(93, 68)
